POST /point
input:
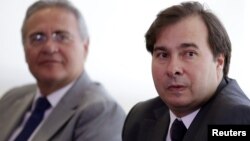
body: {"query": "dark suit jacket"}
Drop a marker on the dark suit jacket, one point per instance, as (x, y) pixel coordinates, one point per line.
(85, 113)
(149, 120)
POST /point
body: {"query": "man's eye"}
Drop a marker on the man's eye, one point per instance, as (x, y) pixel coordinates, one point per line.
(190, 54)
(161, 55)
(38, 37)
(60, 37)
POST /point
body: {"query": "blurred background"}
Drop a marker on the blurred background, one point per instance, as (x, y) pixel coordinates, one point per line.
(118, 58)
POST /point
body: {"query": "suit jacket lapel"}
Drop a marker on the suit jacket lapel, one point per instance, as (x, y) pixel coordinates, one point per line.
(155, 129)
(13, 117)
(59, 116)
(162, 123)
(64, 110)
(146, 130)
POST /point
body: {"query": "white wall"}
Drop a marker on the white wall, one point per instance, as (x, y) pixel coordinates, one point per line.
(118, 58)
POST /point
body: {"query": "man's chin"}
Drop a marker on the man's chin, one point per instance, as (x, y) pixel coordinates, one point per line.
(49, 78)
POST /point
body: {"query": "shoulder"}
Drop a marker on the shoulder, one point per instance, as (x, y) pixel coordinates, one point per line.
(96, 95)
(18, 92)
(13, 94)
(147, 107)
(94, 101)
(141, 112)
(98, 115)
(89, 92)
(233, 95)
(230, 105)
(144, 110)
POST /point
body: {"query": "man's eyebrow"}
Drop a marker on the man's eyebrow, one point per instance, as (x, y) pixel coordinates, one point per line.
(35, 33)
(159, 48)
(183, 45)
(188, 45)
(61, 31)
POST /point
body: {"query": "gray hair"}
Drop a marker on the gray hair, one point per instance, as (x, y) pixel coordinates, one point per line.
(65, 4)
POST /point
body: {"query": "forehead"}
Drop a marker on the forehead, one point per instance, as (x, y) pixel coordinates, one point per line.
(51, 17)
(190, 29)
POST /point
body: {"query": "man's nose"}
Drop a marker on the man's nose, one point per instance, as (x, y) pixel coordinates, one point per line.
(174, 67)
(50, 47)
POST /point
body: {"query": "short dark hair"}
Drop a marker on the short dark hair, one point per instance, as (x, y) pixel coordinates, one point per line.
(64, 4)
(218, 38)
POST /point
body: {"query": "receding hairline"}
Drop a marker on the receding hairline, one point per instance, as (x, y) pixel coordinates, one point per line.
(65, 5)
(24, 27)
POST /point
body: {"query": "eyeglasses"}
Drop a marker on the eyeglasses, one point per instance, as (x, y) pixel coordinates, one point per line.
(40, 38)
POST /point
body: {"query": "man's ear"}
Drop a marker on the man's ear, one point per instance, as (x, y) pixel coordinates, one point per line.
(86, 44)
(220, 59)
(25, 53)
(85, 48)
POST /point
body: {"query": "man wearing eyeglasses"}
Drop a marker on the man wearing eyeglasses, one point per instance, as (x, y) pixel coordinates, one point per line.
(64, 104)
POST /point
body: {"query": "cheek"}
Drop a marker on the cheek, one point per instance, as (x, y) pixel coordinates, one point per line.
(31, 56)
(157, 73)
(28, 56)
(73, 57)
(202, 77)
(155, 70)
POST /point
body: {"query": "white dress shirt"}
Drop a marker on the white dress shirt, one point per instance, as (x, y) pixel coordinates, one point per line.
(187, 120)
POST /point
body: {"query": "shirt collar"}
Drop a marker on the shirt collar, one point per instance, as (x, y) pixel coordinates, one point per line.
(187, 120)
(55, 96)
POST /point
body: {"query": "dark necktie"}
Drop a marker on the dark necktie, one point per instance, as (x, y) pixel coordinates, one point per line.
(42, 104)
(177, 130)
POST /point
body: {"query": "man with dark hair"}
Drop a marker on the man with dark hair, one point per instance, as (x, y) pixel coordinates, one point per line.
(64, 104)
(191, 54)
